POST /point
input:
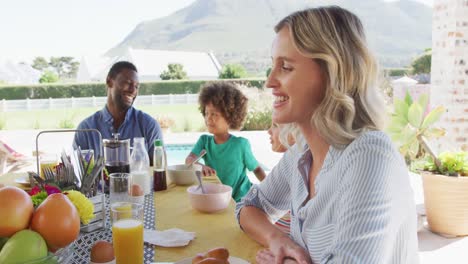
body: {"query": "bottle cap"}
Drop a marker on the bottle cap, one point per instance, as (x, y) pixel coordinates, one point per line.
(158, 143)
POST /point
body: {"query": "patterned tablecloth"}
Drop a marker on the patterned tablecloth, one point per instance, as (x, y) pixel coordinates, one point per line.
(82, 246)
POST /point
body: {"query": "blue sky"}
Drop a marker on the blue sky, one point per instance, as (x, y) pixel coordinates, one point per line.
(31, 28)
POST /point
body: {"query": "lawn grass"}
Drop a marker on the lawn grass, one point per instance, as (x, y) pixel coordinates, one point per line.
(186, 117)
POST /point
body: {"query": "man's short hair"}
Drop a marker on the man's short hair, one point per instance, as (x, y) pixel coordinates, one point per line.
(119, 66)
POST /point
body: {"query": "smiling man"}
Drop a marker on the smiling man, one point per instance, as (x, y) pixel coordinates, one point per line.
(119, 115)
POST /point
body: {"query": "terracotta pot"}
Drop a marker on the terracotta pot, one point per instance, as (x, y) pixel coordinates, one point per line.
(446, 202)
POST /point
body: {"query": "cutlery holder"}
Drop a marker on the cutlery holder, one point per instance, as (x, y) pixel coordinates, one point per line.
(99, 220)
(97, 198)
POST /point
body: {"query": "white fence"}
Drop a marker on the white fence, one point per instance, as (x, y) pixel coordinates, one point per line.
(82, 102)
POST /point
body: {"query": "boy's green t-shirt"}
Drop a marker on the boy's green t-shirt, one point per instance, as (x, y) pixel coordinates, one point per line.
(230, 160)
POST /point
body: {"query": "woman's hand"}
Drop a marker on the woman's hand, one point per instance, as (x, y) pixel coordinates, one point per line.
(207, 171)
(283, 250)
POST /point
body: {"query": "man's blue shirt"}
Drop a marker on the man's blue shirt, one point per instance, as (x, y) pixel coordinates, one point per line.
(136, 124)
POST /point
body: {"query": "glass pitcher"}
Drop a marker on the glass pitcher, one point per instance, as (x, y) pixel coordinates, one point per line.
(116, 156)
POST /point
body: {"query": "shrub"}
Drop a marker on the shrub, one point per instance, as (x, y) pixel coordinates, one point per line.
(175, 71)
(259, 113)
(49, 77)
(66, 123)
(36, 124)
(268, 71)
(451, 164)
(187, 125)
(258, 119)
(394, 72)
(422, 64)
(44, 91)
(165, 121)
(232, 71)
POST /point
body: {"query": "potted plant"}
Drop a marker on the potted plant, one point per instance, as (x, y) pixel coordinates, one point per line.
(165, 122)
(411, 125)
(445, 187)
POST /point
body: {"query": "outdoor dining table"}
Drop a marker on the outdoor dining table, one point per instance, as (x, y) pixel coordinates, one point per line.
(219, 229)
(172, 209)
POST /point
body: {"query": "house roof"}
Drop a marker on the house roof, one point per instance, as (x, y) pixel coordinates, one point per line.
(405, 80)
(151, 63)
(18, 73)
(92, 68)
(154, 62)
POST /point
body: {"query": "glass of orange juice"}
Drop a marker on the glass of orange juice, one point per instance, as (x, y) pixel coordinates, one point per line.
(127, 232)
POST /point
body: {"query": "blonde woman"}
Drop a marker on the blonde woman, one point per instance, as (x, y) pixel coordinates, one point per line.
(346, 186)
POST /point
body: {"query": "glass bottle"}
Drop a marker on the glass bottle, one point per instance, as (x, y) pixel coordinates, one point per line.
(139, 165)
(159, 166)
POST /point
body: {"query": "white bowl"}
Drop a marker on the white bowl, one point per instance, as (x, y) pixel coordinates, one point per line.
(216, 198)
(183, 175)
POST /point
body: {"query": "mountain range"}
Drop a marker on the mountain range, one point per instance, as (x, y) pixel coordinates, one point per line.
(241, 31)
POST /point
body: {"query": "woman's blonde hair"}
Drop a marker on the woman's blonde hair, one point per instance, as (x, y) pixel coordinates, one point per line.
(335, 39)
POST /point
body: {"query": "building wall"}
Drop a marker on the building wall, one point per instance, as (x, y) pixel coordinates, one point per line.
(449, 73)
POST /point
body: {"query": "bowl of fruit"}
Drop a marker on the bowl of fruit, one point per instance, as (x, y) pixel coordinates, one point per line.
(61, 256)
(44, 234)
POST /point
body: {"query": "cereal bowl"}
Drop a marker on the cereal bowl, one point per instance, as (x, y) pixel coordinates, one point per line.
(182, 174)
(216, 198)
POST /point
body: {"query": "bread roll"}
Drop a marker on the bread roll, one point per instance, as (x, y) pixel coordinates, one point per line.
(219, 253)
(199, 257)
(213, 261)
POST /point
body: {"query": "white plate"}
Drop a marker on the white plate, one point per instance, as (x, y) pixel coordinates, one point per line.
(232, 260)
(23, 180)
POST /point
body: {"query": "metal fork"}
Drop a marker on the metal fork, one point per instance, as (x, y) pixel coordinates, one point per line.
(49, 174)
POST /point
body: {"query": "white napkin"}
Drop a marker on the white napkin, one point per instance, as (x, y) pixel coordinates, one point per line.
(173, 237)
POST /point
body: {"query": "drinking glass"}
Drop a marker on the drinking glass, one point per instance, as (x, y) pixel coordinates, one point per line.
(127, 232)
(116, 157)
(118, 187)
(136, 190)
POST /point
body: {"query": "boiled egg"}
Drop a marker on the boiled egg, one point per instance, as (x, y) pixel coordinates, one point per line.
(102, 252)
(136, 190)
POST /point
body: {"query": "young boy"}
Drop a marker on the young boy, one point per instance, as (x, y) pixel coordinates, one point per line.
(284, 223)
(224, 107)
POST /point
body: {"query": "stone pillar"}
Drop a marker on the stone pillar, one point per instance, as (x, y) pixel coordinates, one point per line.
(449, 72)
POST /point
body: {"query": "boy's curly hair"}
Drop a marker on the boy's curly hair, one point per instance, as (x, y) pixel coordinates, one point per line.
(228, 99)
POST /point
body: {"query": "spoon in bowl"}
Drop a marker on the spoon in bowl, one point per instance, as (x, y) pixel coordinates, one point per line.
(202, 153)
(198, 173)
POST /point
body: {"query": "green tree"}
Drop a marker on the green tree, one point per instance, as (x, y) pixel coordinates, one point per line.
(268, 71)
(395, 72)
(40, 63)
(232, 71)
(48, 77)
(422, 64)
(65, 67)
(175, 71)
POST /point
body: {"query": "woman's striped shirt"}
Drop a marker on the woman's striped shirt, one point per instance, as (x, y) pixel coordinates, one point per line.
(363, 209)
